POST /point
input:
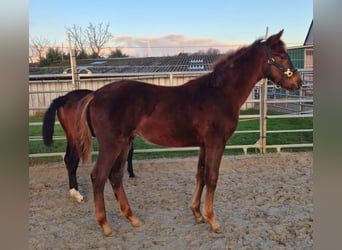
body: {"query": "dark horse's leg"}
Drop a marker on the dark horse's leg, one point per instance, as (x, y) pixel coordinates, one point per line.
(71, 160)
(115, 177)
(129, 163)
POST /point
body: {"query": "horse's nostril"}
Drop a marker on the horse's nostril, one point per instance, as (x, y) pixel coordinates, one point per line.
(294, 87)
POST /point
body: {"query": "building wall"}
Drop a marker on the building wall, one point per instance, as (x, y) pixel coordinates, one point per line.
(309, 58)
(302, 57)
(297, 57)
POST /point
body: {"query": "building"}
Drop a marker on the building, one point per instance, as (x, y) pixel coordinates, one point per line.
(302, 56)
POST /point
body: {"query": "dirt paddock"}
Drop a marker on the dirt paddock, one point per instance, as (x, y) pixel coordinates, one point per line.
(261, 202)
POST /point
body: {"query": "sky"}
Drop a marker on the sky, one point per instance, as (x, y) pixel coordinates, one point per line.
(170, 27)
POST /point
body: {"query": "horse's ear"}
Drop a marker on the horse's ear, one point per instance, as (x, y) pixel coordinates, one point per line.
(274, 38)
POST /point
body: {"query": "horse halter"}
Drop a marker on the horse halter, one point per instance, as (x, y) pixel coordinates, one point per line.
(287, 73)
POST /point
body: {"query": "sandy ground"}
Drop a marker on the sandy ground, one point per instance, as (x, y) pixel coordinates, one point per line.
(261, 201)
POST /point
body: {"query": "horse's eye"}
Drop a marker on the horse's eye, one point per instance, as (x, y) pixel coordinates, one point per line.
(283, 55)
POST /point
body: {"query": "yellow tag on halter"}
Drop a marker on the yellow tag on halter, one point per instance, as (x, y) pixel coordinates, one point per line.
(288, 73)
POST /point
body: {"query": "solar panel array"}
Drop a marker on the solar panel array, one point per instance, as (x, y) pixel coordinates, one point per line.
(183, 63)
(180, 63)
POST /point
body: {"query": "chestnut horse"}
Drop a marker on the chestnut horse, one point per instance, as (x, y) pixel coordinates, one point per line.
(203, 112)
(66, 106)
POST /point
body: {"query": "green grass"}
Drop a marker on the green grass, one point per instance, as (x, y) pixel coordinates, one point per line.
(236, 139)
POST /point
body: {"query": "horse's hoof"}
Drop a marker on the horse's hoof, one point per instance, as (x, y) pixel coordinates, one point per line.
(107, 231)
(136, 223)
(199, 220)
(80, 199)
(217, 229)
(132, 176)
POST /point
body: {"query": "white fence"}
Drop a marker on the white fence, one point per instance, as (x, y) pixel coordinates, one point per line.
(44, 88)
(43, 91)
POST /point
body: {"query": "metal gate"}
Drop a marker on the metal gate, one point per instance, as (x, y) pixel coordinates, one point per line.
(297, 105)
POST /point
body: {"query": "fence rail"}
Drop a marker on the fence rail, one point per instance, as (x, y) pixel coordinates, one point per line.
(47, 90)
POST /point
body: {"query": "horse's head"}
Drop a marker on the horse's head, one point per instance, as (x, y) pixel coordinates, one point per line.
(279, 67)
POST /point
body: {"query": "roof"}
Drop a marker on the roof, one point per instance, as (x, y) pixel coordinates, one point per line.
(309, 37)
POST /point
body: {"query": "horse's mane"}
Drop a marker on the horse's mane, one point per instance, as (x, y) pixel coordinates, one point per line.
(227, 62)
(237, 62)
(228, 58)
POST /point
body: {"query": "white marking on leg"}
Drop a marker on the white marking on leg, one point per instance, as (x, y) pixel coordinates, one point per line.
(75, 194)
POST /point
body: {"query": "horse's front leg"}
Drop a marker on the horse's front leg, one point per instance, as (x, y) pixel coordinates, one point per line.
(196, 200)
(213, 156)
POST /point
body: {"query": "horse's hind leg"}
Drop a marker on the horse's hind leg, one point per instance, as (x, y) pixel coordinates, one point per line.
(196, 200)
(99, 175)
(72, 160)
(115, 178)
(130, 163)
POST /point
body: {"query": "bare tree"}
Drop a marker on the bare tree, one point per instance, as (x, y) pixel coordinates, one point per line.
(40, 44)
(212, 51)
(78, 37)
(97, 36)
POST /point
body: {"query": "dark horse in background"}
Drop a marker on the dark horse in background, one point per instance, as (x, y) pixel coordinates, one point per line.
(203, 112)
(66, 106)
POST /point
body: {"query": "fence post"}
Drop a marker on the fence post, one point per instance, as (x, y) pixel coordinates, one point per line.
(74, 73)
(263, 110)
(301, 96)
(171, 79)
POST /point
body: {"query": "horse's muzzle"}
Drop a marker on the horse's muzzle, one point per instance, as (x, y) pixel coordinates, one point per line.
(296, 86)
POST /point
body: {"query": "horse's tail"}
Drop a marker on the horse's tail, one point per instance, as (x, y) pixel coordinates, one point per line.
(49, 119)
(84, 138)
